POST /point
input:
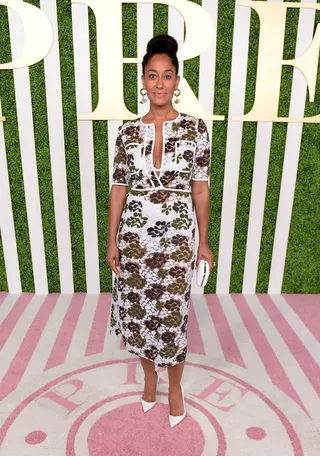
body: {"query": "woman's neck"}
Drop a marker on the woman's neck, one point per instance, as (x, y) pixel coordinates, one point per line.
(161, 113)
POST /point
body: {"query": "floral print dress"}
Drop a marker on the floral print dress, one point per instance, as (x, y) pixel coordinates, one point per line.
(156, 236)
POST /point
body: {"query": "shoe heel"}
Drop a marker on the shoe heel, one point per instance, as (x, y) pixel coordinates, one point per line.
(148, 405)
(174, 420)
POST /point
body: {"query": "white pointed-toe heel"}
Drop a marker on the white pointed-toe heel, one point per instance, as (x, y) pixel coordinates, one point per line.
(174, 420)
(148, 405)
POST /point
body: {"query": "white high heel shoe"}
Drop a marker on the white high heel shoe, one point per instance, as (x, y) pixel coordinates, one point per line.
(174, 420)
(148, 405)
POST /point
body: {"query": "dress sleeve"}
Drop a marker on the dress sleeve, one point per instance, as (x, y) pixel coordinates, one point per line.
(120, 174)
(201, 167)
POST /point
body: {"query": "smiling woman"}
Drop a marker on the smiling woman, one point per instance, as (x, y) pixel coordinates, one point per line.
(164, 160)
(160, 70)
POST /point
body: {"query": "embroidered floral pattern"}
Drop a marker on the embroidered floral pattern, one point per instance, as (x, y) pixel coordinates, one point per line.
(156, 236)
(186, 154)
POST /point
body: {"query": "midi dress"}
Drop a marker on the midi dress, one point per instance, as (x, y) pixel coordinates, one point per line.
(156, 236)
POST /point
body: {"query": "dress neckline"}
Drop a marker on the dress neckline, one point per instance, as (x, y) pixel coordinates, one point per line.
(167, 121)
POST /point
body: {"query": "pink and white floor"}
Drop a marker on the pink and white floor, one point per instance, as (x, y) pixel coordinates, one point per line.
(252, 380)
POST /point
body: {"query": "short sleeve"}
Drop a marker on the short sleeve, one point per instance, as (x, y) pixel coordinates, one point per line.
(120, 174)
(201, 167)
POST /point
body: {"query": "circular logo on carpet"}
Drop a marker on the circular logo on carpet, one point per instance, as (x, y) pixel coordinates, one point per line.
(96, 411)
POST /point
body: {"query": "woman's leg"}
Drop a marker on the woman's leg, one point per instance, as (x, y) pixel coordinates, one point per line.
(175, 393)
(150, 379)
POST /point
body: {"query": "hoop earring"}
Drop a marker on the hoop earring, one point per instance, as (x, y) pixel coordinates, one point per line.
(143, 99)
(177, 96)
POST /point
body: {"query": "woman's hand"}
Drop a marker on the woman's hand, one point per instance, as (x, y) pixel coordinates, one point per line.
(204, 253)
(113, 258)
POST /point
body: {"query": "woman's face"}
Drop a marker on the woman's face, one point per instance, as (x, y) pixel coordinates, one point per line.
(160, 80)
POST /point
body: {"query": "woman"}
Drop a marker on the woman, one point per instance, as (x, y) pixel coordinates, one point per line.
(163, 158)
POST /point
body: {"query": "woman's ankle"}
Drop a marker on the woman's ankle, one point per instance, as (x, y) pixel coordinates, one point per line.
(175, 387)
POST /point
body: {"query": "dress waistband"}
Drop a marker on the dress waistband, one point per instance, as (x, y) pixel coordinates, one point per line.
(154, 189)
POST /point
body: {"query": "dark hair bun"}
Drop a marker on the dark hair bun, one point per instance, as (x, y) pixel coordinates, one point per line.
(162, 44)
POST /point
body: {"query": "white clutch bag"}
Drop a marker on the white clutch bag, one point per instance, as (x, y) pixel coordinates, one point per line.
(203, 272)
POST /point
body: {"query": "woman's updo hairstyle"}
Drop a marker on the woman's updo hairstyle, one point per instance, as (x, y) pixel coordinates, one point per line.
(162, 44)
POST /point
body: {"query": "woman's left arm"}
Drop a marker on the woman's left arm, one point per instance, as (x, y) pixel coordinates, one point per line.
(201, 199)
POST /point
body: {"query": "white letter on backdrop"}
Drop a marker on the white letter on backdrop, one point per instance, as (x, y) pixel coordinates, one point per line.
(38, 34)
(270, 61)
(108, 14)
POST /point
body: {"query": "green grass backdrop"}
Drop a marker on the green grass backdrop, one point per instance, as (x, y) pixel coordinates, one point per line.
(302, 268)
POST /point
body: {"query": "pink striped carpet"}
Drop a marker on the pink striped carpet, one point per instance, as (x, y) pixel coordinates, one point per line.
(252, 379)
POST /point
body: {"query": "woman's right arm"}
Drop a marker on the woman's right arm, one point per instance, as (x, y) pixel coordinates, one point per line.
(117, 201)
